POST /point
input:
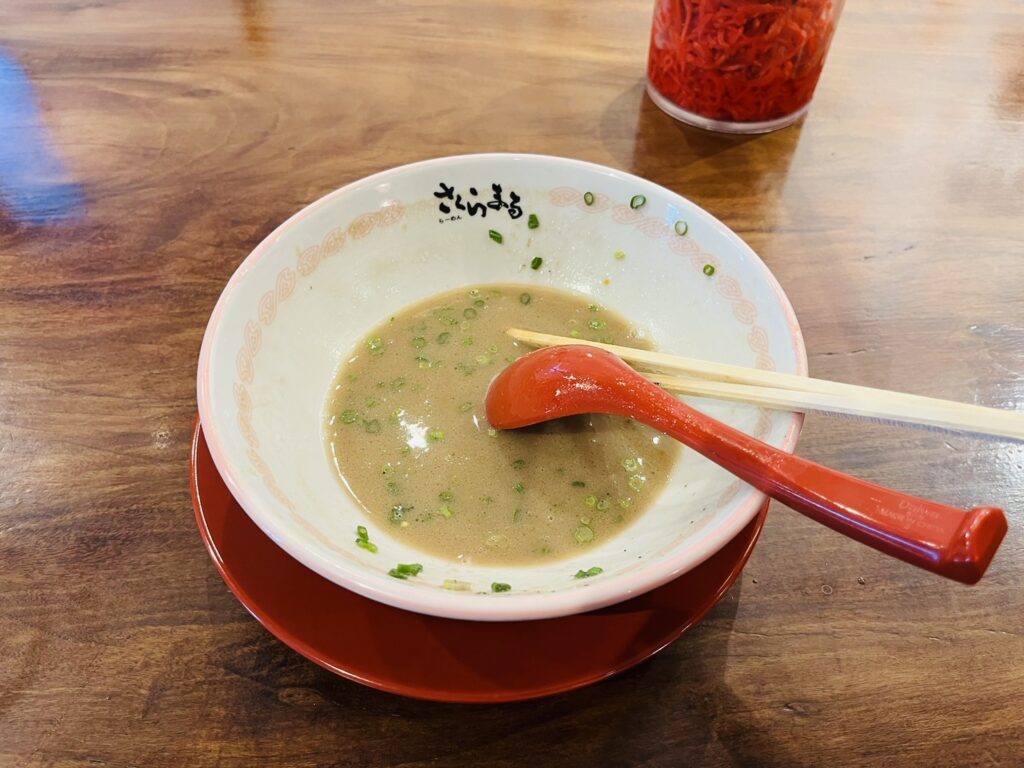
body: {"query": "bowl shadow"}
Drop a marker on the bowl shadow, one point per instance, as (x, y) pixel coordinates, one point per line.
(651, 144)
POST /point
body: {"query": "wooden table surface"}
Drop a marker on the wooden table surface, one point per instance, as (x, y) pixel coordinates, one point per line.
(146, 147)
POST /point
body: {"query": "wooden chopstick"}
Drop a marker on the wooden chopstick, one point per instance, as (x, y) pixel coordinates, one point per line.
(786, 391)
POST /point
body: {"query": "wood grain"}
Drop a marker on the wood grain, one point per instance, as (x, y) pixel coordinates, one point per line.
(167, 139)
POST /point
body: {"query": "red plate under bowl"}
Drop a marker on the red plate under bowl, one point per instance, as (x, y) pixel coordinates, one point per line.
(459, 661)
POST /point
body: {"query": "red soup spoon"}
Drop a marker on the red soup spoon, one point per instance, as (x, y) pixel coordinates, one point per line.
(568, 380)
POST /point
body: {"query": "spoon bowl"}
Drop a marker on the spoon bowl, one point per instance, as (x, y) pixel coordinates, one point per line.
(569, 380)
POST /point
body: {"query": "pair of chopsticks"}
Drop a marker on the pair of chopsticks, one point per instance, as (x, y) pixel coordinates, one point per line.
(786, 391)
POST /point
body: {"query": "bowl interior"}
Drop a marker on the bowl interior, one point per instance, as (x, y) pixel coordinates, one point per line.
(304, 299)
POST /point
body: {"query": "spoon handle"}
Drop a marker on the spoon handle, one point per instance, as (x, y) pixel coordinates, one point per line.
(952, 542)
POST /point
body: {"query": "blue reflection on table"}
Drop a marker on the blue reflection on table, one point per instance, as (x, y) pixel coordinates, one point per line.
(35, 183)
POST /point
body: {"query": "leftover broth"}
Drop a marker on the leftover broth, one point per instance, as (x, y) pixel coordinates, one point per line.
(407, 431)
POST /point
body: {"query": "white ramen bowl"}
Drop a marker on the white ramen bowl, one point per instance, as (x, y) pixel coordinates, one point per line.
(308, 294)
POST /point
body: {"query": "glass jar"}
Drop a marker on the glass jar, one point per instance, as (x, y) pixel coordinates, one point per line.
(738, 66)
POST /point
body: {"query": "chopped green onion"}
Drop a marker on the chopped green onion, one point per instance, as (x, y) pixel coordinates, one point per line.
(620, 255)
(591, 501)
(583, 534)
(495, 235)
(636, 482)
(492, 432)
(393, 488)
(517, 515)
(594, 307)
(405, 570)
(575, 334)
(457, 586)
(596, 324)
(435, 436)
(637, 201)
(376, 345)
(588, 198)
(533, 222)
(519, 488)
(443, 337)
(525, 298)
(499, 586)
(363, 539)
(398, 512)
(423, 362)
(419, 342)
(387, 470)
(536, 262)
(372, 426)
(578, 484)
(349, 417)
(371, 402)
(446, 495)
(398, 383)
(603, 504)
(625, 503)
(396, 416)
(682, 228)
(479, 303)
(467, 341)
(469, 313)
(482, 359)
(709, 269)
(518, 463)
(446, 511)
(630, 464)
(589, 572)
